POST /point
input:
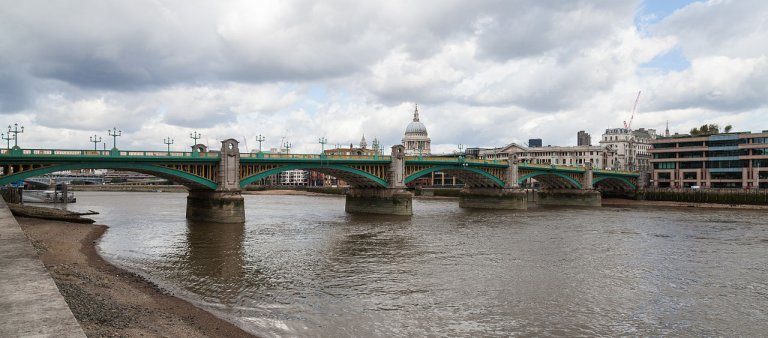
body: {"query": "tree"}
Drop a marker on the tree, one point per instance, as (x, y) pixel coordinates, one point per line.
(706, 129)
(728, 128)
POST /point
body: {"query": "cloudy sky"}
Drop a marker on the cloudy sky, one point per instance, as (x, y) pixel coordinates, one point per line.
(484, 73)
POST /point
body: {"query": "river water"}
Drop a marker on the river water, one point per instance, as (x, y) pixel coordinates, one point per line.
(300, 266)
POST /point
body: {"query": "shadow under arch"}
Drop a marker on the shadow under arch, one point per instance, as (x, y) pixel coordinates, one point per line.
(355, 177)
(552, 180)
(614, 183)
(471, 176)
(183, 178)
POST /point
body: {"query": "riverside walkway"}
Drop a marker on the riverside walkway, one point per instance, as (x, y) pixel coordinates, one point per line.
(30, 302)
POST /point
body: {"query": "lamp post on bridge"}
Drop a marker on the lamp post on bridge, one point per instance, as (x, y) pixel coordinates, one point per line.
(168, 141)
(195, 136)
(15, 133)
(421, 150)
(114, 133)
(287, 145)
(260, 139)
(7, 138)
(376, 148)
(322, 142)
(95, 141)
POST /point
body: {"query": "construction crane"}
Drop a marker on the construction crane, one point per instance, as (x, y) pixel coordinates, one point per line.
(632, 117)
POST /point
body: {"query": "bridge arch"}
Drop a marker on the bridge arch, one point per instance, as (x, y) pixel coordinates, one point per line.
(178, 176)
(355, 177)
(471, 176)
(613, 182)
(551, 179)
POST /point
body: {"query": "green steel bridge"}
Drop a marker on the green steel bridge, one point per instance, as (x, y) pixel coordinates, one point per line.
(201, 170)
(377, 182)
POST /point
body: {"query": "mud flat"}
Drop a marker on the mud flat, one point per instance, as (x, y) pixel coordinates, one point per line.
(109, 301)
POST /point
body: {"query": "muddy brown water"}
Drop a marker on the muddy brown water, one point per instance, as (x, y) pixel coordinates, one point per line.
(300, 266)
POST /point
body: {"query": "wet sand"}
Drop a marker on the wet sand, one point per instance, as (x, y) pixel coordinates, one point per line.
(109, 301)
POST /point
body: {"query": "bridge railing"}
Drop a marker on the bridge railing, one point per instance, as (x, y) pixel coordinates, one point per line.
(107, 153)
(315, 156)
(608, 171)
(452, 160)
(572, 167)
(551, 166)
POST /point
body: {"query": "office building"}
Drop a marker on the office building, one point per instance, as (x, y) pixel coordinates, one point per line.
(732, 160)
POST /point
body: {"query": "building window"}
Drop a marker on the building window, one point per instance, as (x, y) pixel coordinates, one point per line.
(664, 165)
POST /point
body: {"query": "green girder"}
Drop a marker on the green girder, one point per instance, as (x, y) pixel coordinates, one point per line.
(250, 179)
(601, 178)
(539, 173)
(186, 177)
(483, 173)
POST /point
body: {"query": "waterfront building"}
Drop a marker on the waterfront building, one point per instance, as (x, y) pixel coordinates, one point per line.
(631, 148)
(599, 156)
(416, 140)
(728, 160)
(535, 142)
(296, 177)
(583, 138)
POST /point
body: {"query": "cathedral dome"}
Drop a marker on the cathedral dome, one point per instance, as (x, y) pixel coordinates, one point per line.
(416, 127)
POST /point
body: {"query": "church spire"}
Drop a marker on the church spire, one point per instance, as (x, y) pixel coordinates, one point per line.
(666, 132)
(416, 113)
(363, 143)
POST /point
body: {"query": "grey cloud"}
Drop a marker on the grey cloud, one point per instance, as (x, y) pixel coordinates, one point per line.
(728, 28)
(15, 93)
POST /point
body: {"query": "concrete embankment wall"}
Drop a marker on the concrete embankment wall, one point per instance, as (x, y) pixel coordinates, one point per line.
(722, 196)
(30, 303)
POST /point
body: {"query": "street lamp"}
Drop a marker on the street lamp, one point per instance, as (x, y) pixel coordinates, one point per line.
(287, 145)
(376, 146)
(95, 141)
(7, 138)
(421, 149)
(15, 133)
(168, 141)
(322, 142)
(195, 136)
(114, 133)
(260, 139)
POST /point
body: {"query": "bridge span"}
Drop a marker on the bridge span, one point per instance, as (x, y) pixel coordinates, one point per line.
(378, 182)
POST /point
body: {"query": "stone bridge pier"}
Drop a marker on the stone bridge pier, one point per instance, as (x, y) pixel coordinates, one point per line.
(587, 196)
(225, 204)
(391, 200)
(509, 197)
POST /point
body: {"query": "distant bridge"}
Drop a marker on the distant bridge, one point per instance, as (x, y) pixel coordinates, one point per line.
(228, 171)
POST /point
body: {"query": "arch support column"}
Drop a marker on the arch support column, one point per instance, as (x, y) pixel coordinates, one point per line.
(226, 203)
(569, 197)
(392, 200)
(493, 198)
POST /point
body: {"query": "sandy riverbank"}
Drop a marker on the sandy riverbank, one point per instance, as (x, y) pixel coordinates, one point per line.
(109, 301)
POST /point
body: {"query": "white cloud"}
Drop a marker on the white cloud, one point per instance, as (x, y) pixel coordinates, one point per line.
(485, 73)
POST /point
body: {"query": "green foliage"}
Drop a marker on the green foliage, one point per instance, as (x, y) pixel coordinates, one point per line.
(728, 128)
(706, 129)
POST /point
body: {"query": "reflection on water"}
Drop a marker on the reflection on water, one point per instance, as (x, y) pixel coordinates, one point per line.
(301, 266)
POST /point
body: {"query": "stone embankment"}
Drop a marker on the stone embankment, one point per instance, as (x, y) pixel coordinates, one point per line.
(715, 196)
(30, 302)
